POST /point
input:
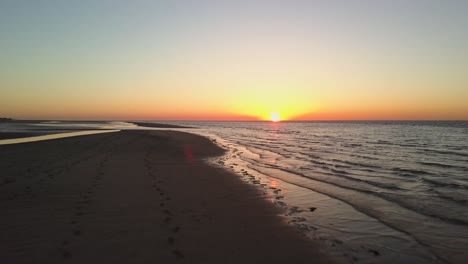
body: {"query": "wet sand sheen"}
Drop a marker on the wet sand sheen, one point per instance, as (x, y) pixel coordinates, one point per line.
(17, 138)
(136, 197)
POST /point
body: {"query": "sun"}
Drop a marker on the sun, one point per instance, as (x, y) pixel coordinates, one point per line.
(275, 117)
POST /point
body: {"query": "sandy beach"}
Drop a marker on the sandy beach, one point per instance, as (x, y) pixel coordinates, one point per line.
(136, 197)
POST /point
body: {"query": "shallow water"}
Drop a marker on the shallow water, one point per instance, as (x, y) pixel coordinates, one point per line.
(53, 136)
(405, 183)
(47, 130)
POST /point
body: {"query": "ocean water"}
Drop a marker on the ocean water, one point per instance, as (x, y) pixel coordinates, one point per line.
(374, 192)
(369, 192)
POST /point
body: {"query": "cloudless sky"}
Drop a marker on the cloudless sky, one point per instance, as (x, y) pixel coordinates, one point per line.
(226, 60)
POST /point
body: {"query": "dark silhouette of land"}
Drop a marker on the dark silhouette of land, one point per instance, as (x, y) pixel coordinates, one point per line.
(158, 125)
(5, 119)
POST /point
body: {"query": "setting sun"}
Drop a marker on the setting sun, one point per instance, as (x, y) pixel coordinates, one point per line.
(275, 117)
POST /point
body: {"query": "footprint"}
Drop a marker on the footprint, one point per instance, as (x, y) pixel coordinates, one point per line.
(176, 229)
(177, 253)
(65, 253)
(170, 240)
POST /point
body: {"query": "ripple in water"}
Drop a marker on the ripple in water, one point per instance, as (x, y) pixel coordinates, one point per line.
(410, 177)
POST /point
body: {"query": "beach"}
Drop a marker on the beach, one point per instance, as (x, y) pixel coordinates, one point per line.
(137, 197)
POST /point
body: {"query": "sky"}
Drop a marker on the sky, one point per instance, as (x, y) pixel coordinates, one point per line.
(234, 60)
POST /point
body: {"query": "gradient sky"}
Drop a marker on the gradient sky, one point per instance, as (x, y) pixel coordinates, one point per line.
(226, 60)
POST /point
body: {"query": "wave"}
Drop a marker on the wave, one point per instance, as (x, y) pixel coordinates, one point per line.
(397, 199)
(430, 207)
(431, 211)
(461, 198)
(382, 142)
(411, 145)
(363, 157)
(445, 152)
(446, 183)
(441, 165)
(340, 174)
(309, 155)
(351, 145)
(409, 172)
(358, 164)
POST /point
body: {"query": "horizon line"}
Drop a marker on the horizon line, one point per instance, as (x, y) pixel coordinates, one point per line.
(244, 120)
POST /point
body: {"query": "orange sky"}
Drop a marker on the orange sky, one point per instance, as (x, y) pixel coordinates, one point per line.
(243, 60)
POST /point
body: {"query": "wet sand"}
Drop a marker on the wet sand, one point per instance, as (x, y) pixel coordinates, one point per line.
(38, 131)
(136, 197)
(11, 135)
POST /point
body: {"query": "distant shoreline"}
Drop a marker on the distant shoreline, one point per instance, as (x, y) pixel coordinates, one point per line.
(158, 125)
(46, 130)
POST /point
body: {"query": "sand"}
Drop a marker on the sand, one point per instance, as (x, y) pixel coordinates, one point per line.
(158, 125)
(136, 197)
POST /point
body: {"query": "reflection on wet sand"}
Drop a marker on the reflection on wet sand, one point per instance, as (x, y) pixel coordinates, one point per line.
(53, 136)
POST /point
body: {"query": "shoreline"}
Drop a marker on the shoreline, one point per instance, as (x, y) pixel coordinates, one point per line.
(51, 136)
(137, 196)
(157, 125)
(341, 228)
(50, 130)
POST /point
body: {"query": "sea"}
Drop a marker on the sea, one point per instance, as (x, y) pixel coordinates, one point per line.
(367, 191)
